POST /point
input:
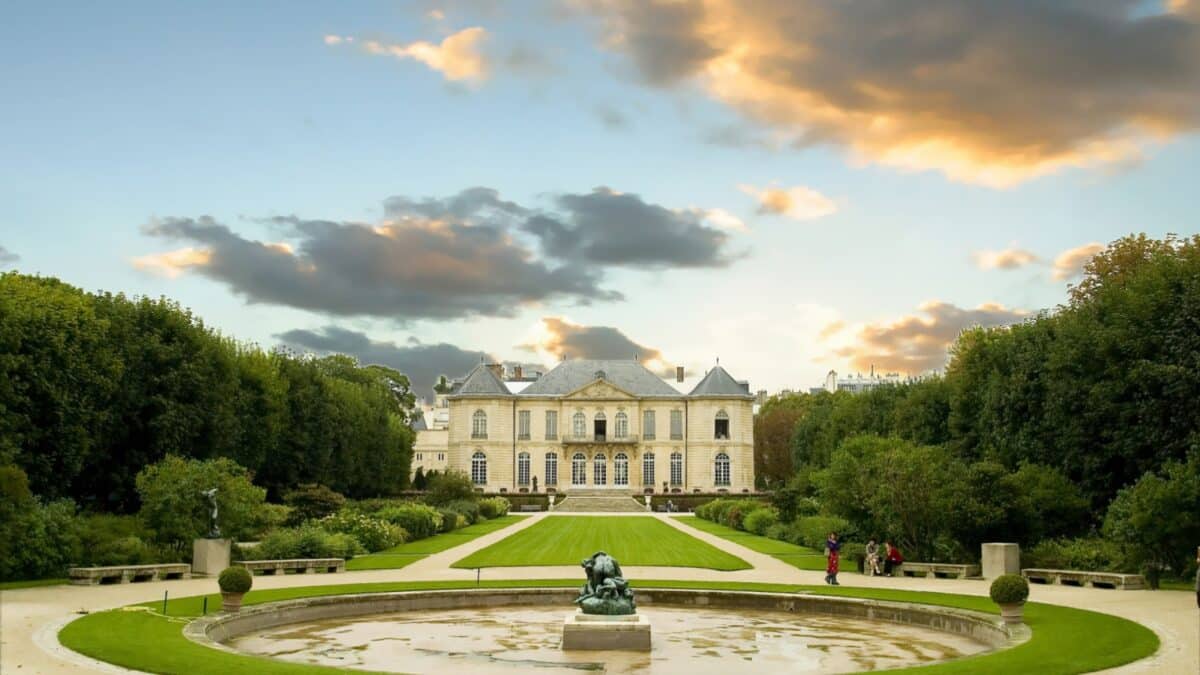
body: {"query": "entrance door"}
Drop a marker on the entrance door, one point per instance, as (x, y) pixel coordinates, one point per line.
(601, 426)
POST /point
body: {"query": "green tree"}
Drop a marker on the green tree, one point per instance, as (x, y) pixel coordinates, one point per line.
(174, 507)
(1156, 517)
(449, 487)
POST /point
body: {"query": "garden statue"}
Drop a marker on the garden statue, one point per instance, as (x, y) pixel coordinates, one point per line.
(606, 591)
(214, 532)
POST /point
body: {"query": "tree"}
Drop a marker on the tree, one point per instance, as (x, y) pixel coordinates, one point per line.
(773, 427)
(418, 482)
(450, 486)
(1156, 517)
(174, 508)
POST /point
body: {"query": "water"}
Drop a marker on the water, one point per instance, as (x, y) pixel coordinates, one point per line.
(506, 641)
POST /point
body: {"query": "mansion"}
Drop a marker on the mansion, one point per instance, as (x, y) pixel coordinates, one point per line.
(593, 424)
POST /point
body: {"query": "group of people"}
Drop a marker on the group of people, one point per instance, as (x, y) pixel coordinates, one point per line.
(891, 559)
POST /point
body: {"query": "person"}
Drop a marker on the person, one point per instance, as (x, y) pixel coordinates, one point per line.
(871, 559)
(832, 547)
(893, 559)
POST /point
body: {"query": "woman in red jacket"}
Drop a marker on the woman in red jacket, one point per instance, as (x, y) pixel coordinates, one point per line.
(893, 559)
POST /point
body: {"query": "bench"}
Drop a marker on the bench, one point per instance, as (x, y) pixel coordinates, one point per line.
(938, 570)
(1115, 580)
(297, 565)
(124, 574)
(530, 507)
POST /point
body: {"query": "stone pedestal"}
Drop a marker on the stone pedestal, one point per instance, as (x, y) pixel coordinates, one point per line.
(626, 632)
(998, 559)
(210, 556)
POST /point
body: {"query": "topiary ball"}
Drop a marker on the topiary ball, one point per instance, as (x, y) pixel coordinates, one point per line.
(235, 580)
(1009, 589)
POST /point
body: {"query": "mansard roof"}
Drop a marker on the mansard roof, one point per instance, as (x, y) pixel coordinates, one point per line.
(629, 375)
(718, 382)
(481, 381)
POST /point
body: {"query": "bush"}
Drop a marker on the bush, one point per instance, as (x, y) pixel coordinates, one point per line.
(450, 487)
(109, 539)
(307, 541)
(419, 520)
(267, 517)
(494, 507)
(737, 511)
(375, 534)
(1086, 554)
(235, 580)
(452, 520)
(174, 508)
(39, 541)
(855, 553)
(812, 531)
(760, 520)
(1009, 589)
(312, 502)
(464, 507)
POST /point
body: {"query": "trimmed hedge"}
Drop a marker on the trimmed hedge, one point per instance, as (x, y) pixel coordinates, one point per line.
(419, 520)
(235, 580)
(307, 541)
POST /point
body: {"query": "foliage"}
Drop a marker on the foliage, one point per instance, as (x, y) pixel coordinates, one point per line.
(419, 520)
(268, 517)
(40, 541)
(813, 531)
(760, 520)
(418, 481)
(374, 534)
(451, 486)
(494, 507)
(467, 508)
(307, 541)
(451, 519)
(174, 508)
(1156, 518)
(773, 427)
(108, 539)
(235, 580)
(1009, 589)
(312, 501)
(1090, 554)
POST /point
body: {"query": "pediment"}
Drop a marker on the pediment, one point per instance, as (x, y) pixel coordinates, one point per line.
(599, 389)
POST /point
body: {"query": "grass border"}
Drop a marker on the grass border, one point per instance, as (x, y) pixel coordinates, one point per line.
(418, 549)
(800, 557)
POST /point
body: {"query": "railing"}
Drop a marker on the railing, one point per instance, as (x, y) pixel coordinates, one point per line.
(601, 438)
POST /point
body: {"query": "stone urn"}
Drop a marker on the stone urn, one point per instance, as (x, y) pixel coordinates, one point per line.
(1010, 591)
(235, 582)
(1012, 612)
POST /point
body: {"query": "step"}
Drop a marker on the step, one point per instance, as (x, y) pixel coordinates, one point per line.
(609, 503)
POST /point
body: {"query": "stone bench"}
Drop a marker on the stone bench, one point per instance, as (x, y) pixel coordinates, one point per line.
(124, 574)
(297, 565)
(1124, 582)
(938, 570)
(530, 507)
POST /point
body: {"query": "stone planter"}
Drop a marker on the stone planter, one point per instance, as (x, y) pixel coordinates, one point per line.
(231, 602)
(1013, 612)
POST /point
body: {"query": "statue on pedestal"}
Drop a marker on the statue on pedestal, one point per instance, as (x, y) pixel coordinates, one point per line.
(606, 591)
(214, 532)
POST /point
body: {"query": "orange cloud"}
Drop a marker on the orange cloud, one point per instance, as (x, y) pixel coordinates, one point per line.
(1069, 264)
(1006, 259)
(171, 264)
(799, 202)
(457, 57)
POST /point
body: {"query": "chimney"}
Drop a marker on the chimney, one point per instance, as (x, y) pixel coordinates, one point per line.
(517, 372)
(497, 369)
(679, 373)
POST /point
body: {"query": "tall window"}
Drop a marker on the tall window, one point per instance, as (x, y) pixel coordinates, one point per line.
(600, 426)
(523, 468)
(579, 425)
(721, 426)
(648, 469)
(621, 469)
(523, 425)
(551, 468)
(579, 469)
(599, 469)
(721, 470)
(676, 468)
(479, 424)
(648, 425)
(479, 468)
(676, 425)
(622, 425)
(551, 425)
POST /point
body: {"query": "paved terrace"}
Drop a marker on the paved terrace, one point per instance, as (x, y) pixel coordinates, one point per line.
(30, 618)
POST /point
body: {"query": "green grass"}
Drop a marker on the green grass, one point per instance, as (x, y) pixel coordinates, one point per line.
(1065, 641)
(633, 540)
(800, 557)
(30, 583)
(407, 554)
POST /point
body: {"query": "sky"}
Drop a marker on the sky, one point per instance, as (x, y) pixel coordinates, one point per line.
(790, 186)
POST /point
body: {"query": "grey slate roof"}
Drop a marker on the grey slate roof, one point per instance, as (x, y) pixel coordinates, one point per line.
(629, 375)
(719, 383)
(419, 424)
(481, 381)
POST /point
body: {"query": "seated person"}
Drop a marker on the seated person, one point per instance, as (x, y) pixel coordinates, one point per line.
(871, 559)
(892, 560)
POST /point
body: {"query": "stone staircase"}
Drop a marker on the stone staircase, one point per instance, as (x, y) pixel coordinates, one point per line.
(599, 501)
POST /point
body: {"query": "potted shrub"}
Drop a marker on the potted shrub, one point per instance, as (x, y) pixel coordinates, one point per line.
(234, 583)
(1010, 592)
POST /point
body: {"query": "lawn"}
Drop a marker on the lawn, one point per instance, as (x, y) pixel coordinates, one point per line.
(632, 540)
(1065, 641)
(407, 554)
(800, 557)
(30, 583)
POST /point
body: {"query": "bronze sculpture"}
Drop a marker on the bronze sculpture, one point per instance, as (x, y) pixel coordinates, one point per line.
(606, 591)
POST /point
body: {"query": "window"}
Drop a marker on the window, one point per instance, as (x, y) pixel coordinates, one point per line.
(523, 468)
(599, 469)
(600, 426)
(648, 425)
(579, 425)
(579, 469)
(676, 425)
(621, 469)
(622, 425)
(648, 469)
(479, 468)
(551, 425)
(479, 424)
(551, 468)
(441, 456)
(721, 426)
(523, 425)
(676, 468)
(721, 470)
(420, 456)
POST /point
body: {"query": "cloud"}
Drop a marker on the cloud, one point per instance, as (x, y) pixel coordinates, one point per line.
(171, 264)
(422, 363)
(1006, 259)
(986, 92)
(557, 338)
(458, 57)
(1069, 264)
(610, 117)
(830, 329)
(919, 343)
(799, 203)
(722, 219)
(7, 257)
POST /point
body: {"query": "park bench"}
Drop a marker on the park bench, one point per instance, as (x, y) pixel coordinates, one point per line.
(124, 574)
(530, 507)
(1124, 582)
(938, 570)
(297, 565)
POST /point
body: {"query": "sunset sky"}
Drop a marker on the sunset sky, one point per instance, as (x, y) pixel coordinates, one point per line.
(789, 185)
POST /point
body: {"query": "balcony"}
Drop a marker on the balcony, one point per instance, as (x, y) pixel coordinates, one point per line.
(604, 439)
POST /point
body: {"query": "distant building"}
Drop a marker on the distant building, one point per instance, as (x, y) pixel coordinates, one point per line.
(859, 383)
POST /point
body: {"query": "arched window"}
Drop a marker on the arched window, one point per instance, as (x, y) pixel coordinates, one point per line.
(551, 468)
(622, 429)
(621, 469)
(599, 469)
(479, 424)
(648, 469)
(523, 468)
(600, 426)
(579, 469)
(721, 426)
(479, 468)
(579, 425)
(721, 470)
(676, 468)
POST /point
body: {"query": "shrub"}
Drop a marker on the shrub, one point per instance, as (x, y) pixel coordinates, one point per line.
(812, 531)
(737, 510)
(312, 502)
(174, 508)
(1009, 589)
(39, 540)
(1087, 554)
(494, 507)
(419, 520)
(778, 531)
(267, 517)
(109, 539)
(464, 507)
(375, 534)
(451, 519)
(760, 520)
(235, 580)
(449, 487)
(854, 553)
(307, 541)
